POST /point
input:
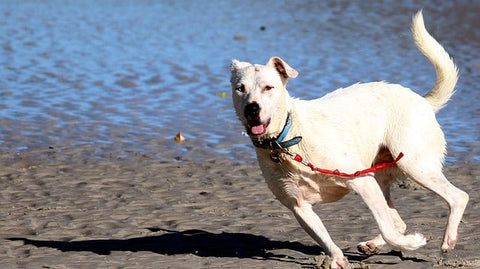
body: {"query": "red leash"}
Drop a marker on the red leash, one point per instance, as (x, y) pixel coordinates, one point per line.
(335, 172)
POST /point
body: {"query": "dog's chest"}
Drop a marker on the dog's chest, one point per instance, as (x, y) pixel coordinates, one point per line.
(287, 181)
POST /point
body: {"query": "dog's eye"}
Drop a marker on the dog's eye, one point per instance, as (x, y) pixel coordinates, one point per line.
(268, 88)
(240, 88)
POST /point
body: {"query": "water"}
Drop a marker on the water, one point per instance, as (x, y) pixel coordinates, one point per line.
(128, 75)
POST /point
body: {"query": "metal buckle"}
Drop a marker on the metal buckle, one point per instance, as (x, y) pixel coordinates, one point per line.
(275, 156)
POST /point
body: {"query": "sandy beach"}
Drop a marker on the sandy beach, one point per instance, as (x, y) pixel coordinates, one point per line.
(70, 208)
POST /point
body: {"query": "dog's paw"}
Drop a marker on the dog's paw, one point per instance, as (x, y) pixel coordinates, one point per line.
(449, 244)
(369, 247)
(339, 263)
(325, 262)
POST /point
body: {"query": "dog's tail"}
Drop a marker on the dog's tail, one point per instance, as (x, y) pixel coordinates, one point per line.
(447, 72)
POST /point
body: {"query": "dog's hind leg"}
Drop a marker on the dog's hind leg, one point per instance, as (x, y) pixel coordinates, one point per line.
(313, 225)
(391, 226)
(384, 179)
(437, 182)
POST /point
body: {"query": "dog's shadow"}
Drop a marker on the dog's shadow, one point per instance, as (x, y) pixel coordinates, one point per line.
(197, 242)
(200, 243)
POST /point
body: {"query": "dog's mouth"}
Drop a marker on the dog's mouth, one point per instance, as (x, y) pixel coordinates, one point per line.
(257, 128)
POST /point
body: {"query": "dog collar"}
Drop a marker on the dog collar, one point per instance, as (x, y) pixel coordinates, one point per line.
(278, 143)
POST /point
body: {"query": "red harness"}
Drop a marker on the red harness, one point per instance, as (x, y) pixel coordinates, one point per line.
(335, 172)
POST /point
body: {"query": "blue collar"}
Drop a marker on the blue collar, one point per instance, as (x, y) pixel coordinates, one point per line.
(278, 143)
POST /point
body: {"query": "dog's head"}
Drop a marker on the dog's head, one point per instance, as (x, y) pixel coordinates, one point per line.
(259, 95)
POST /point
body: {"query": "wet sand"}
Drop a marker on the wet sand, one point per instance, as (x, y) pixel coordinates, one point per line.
(70, 207)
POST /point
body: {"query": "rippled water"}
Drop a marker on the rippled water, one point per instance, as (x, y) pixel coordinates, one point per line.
(130, 74)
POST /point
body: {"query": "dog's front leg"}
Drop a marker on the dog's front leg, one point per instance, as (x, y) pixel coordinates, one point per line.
(312, 224)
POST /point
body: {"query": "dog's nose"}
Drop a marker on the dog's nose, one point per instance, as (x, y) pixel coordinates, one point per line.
(252, 110)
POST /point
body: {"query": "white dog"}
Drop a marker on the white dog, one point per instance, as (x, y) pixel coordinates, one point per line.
(351, 129)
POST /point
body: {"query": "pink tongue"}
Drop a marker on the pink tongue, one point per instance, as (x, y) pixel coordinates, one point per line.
(258, 130)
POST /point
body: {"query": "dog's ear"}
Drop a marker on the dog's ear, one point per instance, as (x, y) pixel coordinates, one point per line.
(235, 65)
(282, 67)
(235, 70)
